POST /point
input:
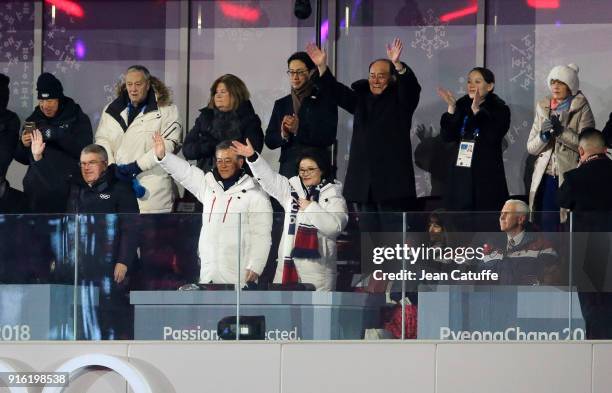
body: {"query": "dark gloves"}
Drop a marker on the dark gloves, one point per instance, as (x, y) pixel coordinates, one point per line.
(139, 190)
(557, 128)
(127, 171)
(545, 136)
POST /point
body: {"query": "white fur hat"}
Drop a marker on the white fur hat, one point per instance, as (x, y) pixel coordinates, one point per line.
(567, 74)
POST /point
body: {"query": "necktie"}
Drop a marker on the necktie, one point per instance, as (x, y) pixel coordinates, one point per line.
(510, 245)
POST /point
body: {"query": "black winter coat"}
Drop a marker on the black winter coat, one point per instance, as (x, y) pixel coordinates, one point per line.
(9, 136)
(588, 188)
(318, 124)
(65, 135)
(12, 201)
(587, 192)
(201, 140)
(607, 132)
(99, 202)
(380, 163)
(106, 196)
(483, 186)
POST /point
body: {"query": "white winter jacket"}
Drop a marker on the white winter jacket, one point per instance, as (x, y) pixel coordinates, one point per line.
(239, 218)
(135, 143)
(329, 216)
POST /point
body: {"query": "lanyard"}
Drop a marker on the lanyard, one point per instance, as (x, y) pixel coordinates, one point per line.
(476, 131)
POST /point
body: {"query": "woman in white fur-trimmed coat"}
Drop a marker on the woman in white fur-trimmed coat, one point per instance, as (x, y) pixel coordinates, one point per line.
(315, 214)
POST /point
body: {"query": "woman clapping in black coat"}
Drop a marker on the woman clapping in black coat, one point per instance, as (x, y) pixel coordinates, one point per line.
(477, 124)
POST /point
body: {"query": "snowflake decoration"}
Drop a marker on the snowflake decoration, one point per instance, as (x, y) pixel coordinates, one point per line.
(515, 131)
(241, 36)
(431, 35)
(461, 90)
(17, 51)
(550, 53)
(110, 89)
(61, 44)
(522, 62)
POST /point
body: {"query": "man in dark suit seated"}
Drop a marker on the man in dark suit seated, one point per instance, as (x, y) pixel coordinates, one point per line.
(522, 257)
(587, 192)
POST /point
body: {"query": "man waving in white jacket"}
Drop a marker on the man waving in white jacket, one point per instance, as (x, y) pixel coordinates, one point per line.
(237, 215)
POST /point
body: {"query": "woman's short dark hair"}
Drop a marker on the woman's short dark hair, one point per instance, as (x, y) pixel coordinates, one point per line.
(486, 73)
(235, 87)
(322, 161)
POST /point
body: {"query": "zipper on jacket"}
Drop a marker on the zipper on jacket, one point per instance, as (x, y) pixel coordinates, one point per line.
(211, 208)
(227, 208)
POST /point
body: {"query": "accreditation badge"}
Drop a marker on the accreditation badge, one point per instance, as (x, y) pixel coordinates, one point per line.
(466, 151)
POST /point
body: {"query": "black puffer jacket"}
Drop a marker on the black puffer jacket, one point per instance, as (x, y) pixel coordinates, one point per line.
(483, 186)
(9, 135)
(65, 135)
(202, 139)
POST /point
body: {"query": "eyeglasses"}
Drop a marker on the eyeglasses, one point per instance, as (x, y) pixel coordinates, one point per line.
(299, 73)
(307, 171)
(90, 163)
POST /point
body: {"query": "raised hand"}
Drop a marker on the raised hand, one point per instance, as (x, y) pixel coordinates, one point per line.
(159, 146)
(478, 99)
(242, 149)
(318, 56)
(394, 51)
(449, 98)
(423, 132)
(37, 146)
(120, 271)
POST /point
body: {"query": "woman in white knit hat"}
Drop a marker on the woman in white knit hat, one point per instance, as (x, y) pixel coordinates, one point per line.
(559, 119)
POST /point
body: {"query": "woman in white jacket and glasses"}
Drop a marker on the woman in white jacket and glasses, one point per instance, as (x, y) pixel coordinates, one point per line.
(315, 214)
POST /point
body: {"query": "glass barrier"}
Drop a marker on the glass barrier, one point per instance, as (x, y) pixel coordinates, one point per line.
(590, 274)
(491, 276)
(37, 291)
(305, 276)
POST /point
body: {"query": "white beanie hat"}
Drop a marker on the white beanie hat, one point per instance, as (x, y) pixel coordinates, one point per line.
(567, 74)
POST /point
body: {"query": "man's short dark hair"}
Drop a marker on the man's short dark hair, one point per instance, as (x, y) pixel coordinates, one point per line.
(96, 149)
(593, 136)
(389, 63)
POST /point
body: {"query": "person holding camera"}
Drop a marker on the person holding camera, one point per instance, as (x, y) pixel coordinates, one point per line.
(65, 130)
(559, 120)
